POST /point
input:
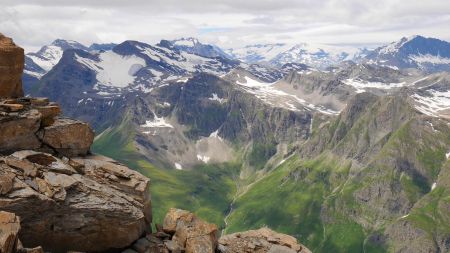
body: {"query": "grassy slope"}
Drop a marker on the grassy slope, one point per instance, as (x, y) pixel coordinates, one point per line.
(290, 199)
(206, 190)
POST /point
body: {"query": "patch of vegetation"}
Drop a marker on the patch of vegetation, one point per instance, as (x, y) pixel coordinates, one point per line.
(260, 154)
(206, 190)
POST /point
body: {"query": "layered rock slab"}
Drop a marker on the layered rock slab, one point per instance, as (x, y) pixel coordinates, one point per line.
(12, 61)
(263, 240)
(81, 204)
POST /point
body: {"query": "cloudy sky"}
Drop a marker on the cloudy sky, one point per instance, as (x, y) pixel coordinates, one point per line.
(228, 23)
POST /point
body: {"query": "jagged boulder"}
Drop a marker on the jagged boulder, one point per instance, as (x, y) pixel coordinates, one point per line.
(189, 232)
(262, 240)
(68, 137)
(82, 204)
(11, 66)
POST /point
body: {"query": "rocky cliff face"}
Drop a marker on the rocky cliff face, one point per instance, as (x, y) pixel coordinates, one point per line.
(11, 67)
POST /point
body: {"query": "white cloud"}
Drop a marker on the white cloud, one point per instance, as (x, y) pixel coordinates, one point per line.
(33, 23)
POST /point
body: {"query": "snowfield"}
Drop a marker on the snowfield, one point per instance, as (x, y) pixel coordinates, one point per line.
(361, 85)
(113, 69)
(278, 98)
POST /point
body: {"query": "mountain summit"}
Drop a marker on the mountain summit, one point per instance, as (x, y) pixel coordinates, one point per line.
(427, 54)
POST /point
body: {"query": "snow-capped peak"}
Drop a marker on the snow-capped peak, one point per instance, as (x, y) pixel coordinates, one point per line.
(396, 45)
(189, 42)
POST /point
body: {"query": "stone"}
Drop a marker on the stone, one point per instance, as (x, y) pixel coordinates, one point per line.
(6, 182)
(48, 112)
(38, 249)
(190, 232)
(9, 230)
(18, 132)
(173, 216)
(12, 62)
(11, 107)
(67, 211)
(40, 101)
(263, 240)
(141, 245)
(68, 137)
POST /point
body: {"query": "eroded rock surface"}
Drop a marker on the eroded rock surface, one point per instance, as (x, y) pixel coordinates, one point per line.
(33, 124)
(9, 232)
(260, 241)
(11, 67)
(82, 204)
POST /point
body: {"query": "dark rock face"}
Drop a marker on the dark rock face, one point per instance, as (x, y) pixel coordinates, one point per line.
(11, 66)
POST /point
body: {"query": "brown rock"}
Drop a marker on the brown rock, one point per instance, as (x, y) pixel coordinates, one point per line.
(9, 229)
(11, 67)
(262, 240)
(11, 107)
(40, 101)
(18, 131)
(173, 217)
(68, 137)
(191, 233)
(48, 112)
(67, 211)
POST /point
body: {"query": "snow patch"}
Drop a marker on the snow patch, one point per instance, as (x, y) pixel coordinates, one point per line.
(215, 97)
(270, 95)
(430, 59)
(157, 122)
(178, 166)
(215, 134)
(434, 104)
(361, 85)
(113, 69)
(202, 158)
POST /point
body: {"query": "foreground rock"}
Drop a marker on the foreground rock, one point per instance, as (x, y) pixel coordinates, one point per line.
(82, 204)
(260, 241)
(32, 124)
(11, 66)
(182, 232)
(9, 230)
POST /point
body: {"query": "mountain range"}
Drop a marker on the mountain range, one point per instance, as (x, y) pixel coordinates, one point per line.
(346, 149)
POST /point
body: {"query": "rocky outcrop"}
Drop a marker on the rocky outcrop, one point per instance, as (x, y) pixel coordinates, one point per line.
(11, 67)
(260, 241)
(182, 231)
(32, 123)
(83, 204)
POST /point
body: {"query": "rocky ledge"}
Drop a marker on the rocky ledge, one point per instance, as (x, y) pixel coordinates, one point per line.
(11, 66)
(84, 204)
(33, 124)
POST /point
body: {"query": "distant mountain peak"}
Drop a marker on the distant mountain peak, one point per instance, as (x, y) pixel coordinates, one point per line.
(415, 51)
(68, 44)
